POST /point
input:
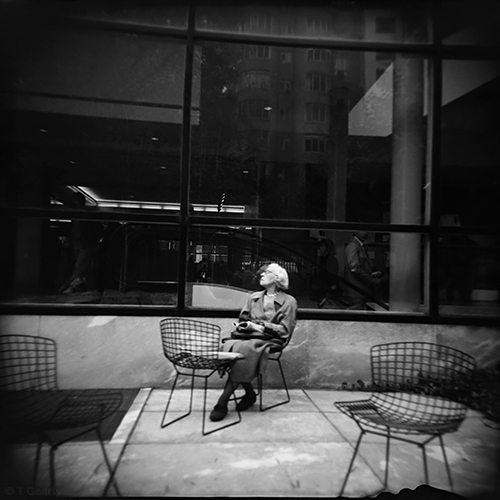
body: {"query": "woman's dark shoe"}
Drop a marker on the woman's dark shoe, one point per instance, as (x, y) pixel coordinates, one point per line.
(218, 413)
(246, 401)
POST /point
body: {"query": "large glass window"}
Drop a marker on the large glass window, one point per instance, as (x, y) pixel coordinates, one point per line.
(469, 178)
(351, 141)
(171, 160)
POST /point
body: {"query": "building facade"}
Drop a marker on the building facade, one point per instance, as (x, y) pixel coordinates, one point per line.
(210, 139)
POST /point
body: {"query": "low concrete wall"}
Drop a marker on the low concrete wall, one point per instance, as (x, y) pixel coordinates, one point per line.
(126, 351)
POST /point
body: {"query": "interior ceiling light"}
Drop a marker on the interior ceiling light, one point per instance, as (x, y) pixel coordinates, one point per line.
(154, 138)
(268, 108)
(42, 130)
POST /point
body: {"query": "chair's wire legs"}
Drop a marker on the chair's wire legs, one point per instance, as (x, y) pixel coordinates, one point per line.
(386, 478)
(108, 463)
(37, 459)
(204, 407)
(426, 469)
(259, 382)
(234, 398)
(446, 462)
(163, 424)
(52, 452)
(352, 462)
(53, 449)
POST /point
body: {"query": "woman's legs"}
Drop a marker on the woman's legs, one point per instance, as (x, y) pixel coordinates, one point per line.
(248, 387)
(220, 409)
(248, 399)
(230, 388)
(227, 392)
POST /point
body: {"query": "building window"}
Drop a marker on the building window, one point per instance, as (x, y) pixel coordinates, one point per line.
(255, 79)
(285, 144)
(259, 23)
(315, 144)
(286, 57)
(256, 52)
(341, 66)
(320, 55)
(318, 81)
(316, 112)
(319, 25)
(385, 25)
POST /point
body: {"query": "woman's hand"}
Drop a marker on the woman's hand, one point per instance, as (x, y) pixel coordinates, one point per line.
(254, 327)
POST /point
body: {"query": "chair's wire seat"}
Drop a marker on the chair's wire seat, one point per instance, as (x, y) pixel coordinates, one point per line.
(208, 361)
(379, 413)
(193, 347)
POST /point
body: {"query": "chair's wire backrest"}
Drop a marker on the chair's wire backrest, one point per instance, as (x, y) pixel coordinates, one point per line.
(27, 363)
(427, 381)
(184, 335)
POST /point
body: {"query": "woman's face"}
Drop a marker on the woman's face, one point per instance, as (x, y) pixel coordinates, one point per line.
(267, 278)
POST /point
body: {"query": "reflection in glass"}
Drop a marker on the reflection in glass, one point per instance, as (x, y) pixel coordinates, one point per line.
(94, 109)
(340, 135)
(469, 274)
(406, 22)
(466, 24)
(86, 261)
(470, 173)
(329, 270)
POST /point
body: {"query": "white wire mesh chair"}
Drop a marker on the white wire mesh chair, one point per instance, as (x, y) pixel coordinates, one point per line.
(193, 347)
(32, 403)
(421, 392)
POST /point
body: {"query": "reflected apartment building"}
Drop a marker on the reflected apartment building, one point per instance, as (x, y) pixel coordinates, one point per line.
(307, 111)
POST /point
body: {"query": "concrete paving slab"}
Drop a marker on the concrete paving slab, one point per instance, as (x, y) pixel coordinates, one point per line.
(349, 430)
(474, 471)
(262, 427)
(80, 470)
(248, 469)
(299, 449)
(324, 399)
(180, 400)
(129, 421)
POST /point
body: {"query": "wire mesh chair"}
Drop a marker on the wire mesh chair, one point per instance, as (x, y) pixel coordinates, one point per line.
(33, 404)
(193, 347)
(274, 355)
(420, 389)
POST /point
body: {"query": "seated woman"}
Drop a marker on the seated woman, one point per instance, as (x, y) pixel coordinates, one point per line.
(270, 316)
